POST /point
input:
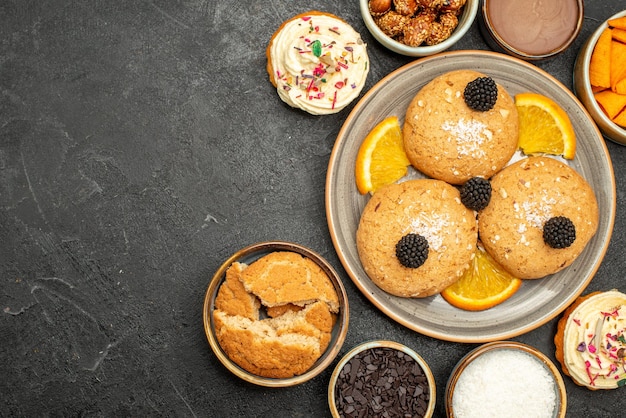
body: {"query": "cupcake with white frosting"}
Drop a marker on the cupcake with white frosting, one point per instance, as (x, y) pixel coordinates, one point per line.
(317, 62)
(591, 340)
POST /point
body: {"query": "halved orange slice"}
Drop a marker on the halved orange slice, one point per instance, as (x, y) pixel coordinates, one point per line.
(381, 158)
(484, 284)
(544, 127)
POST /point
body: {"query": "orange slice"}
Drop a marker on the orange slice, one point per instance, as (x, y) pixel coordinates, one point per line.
(484, 284)
(381, 158)
(544, 127)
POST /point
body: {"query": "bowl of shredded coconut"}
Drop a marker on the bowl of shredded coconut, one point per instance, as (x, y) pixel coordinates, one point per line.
(505, 378)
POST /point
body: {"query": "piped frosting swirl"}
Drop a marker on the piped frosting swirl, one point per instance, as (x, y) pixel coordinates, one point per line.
(318, 63)
(594, 341)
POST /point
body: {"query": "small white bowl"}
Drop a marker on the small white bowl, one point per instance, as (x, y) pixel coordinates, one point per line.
(394, 348)
(466, 19)
(248, 255)
(503, 374)
(582, 87)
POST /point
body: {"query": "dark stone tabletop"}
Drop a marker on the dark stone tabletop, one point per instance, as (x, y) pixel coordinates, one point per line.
(141, 144)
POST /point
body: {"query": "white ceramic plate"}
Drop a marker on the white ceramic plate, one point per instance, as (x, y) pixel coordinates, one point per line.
(537, 301)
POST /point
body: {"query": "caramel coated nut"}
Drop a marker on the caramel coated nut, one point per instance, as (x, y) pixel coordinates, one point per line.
(432, 4)
(392, 23)
(379, 7)
(405, 7)
(452, 6)
(418, 29)
(440, 31)
(428, 14)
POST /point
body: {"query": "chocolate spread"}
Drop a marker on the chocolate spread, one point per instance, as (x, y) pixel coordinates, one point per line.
(536, 27)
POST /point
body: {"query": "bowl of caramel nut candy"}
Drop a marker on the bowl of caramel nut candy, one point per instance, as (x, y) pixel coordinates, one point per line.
(418, 28)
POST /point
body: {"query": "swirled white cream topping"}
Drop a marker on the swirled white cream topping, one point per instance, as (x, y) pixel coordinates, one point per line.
(319, 63)
(594, 341)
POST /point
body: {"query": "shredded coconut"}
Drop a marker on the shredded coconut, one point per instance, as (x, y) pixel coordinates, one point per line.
(469, 136)
(537, 213)
(430, 227)
(505, 383)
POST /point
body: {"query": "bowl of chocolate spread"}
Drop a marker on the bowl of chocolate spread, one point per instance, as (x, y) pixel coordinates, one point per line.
(532, 30)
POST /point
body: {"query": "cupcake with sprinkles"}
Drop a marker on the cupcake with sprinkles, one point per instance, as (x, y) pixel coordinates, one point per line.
(591, 340)
(317, 62)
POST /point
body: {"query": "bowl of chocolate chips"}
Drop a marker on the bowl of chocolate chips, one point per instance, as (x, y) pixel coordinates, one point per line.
(382, 378)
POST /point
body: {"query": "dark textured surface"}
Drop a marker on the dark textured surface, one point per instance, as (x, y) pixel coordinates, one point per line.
(140, 145)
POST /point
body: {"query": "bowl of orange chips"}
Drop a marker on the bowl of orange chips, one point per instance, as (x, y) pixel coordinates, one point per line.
(600, 77)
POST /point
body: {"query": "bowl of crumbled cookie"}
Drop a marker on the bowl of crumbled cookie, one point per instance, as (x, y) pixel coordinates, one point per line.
(418, 28)
(275, 314)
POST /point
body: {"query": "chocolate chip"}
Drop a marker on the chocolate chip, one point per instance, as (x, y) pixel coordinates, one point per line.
(382, 381)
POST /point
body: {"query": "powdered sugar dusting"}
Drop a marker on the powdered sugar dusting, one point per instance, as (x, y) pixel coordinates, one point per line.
(469, 135)
(537, 213)
(430, 227)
